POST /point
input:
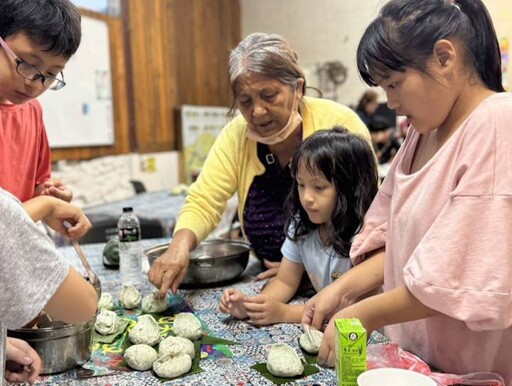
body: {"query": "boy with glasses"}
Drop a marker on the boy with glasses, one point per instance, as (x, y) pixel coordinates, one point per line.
(37, 38)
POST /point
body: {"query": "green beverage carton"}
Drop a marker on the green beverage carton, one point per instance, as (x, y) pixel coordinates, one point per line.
(350, 351)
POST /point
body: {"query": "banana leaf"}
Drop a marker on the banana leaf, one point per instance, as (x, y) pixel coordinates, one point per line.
(97, 337)
(208, 339)
(262, 369)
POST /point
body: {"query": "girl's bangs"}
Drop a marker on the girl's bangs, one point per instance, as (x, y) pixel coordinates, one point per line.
(376, 57)
(308, 161)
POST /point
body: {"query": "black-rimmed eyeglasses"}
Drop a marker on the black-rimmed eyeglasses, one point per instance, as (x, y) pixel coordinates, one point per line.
(31, 73)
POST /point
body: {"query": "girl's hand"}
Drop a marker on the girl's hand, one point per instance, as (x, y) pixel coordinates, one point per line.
(232, 303)
(327, 352)
(22, 362)
(263, 310)
(272, 269)
(321, 307)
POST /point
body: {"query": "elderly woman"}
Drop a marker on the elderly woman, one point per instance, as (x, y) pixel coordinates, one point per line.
(251, 156)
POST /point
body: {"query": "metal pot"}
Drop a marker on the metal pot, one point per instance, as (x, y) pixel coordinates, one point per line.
(60, 348)
(212, 262)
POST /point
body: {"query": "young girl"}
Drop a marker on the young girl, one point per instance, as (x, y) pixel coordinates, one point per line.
(335, 180)
(444, 213)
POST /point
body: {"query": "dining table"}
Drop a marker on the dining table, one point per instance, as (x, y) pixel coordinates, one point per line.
(221, 364)
(159, 205)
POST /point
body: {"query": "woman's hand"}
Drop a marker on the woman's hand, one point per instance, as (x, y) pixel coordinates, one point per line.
(232, 303)
(22, 362)
(167, 272)
(55, 188)
(272, 269)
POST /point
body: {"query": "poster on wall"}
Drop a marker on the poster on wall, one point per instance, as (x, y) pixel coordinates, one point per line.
(505, 58)
(200, 126)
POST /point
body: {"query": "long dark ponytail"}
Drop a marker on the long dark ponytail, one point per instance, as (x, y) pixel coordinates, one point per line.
(405, 32)
(483, 47)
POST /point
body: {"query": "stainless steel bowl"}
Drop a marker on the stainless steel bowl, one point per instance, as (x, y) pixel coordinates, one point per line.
(60, 348)
(212, 262)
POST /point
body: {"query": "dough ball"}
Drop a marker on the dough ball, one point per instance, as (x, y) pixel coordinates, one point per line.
(187, 326)
(140, 356)
(107, 322)
(106, 301)
(172, 366)
(153, 304)
(129, 297)
(146, 331)
(175, 345)
(283, 361)
(311, 345)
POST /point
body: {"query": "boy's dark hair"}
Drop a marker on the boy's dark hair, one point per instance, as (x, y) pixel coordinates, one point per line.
(54, 24)
(405, 32)
(346, 160)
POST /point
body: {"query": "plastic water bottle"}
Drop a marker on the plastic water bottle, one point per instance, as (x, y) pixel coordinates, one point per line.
(130, 267)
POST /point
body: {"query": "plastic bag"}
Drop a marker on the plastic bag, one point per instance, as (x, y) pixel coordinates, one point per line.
(391, 355)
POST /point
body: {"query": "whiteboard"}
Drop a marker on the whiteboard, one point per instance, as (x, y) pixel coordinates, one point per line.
(81, 114)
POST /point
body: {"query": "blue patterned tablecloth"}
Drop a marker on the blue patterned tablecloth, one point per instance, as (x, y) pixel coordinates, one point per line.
(254, 341)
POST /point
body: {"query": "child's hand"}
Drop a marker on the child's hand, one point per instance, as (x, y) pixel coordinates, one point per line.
(54, 188)
(263, 310)
(327, 352)
(22, 362)
(62, 211)
(232, 303)
(272, 269)
(321, 307)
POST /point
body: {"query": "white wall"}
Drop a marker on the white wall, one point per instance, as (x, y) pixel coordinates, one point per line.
(327, 30)
(318, 30)
(156, 170)
(107, 179)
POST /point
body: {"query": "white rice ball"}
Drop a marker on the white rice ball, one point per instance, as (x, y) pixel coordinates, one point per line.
(176, 345)
(107, 322)
(140, 357)
(283, 361)
(129, 297)
(146, 331)
(187, 326)
(172, 366)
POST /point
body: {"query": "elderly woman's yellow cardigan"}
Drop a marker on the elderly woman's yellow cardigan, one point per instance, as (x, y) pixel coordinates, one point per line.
(232, 164)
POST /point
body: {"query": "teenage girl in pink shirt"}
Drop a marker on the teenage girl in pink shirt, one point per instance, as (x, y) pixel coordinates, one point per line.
(437, 236)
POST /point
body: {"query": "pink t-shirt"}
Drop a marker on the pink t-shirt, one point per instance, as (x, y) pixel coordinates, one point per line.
(25, 159)
(447, 230)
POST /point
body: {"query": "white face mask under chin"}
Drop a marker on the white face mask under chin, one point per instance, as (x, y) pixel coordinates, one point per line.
(293, 122)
